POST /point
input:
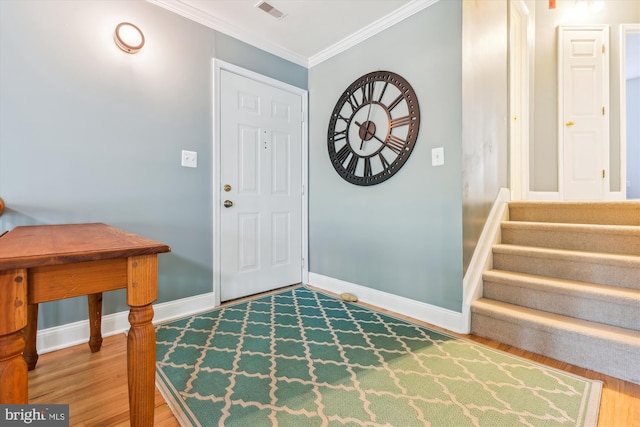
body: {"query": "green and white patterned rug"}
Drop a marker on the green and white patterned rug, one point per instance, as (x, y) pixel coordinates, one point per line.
(302, 358)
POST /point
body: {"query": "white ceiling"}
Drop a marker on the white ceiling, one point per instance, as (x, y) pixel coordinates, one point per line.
(311, 30)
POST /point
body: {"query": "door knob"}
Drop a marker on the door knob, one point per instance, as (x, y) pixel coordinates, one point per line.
(228, 203)
(226, 188)
(569, 124)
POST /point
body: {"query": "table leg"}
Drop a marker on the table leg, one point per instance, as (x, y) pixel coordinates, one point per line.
(95, 321)
(30, 335)
(13, 318)
(142, 290)
(141, 351)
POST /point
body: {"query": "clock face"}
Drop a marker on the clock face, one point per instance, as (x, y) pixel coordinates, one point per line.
(373, 128)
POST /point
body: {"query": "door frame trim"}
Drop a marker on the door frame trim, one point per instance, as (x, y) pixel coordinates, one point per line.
(217, 68)
(607, 194)
(519, 55)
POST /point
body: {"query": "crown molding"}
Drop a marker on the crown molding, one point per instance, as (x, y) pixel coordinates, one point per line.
(371, 30)
(180, 8)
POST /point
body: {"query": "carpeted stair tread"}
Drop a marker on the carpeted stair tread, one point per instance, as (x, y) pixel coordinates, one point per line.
(621, 239)
(592, 267)
(552, 322)
(612, 213)
(566, 287)
(569, 297)
(569, 255)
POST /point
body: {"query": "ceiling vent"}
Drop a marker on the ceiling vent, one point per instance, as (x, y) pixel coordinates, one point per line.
(270, 9)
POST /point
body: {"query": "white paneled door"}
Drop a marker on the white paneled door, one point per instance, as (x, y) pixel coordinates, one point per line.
(584, 112)
(261, 194)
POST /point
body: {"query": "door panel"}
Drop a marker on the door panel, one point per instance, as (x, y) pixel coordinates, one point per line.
(281, 251)
(261, 159)
(584, 163)
(249, 160)
(281, 174)
(248, 242)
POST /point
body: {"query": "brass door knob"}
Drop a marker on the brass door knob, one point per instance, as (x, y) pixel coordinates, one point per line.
(569, 124)
(228, 203)
(226, 188)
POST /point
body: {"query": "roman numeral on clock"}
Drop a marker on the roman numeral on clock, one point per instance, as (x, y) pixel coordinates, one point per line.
(400, 121)
(395, 144)
(367, 167)
(395, 102)
(367, 92)
(337, 136)
(353, 163)
(343, 153)
(353, 102)
(383, 160)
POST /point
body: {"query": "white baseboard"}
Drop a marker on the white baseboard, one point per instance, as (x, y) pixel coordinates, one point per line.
(542, 196)
(71, 334)
(438, 316)
(616, 196)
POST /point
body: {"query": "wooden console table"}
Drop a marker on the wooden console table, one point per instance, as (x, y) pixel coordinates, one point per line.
(51, 262)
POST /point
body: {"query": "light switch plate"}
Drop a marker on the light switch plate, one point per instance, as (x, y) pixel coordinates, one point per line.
(437, 156)
(189, 159)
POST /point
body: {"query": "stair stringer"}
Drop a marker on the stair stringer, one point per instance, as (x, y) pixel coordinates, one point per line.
(482, 258)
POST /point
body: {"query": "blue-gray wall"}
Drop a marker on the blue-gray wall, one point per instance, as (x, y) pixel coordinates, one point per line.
(403, 236)
(91, 134)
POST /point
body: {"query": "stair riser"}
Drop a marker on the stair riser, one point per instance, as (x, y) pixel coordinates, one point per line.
(590, 272)
(598, 354)
(595, 242)
(624, 315)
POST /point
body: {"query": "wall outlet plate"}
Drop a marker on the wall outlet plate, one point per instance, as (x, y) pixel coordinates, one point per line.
(189, 159)
(437, 156)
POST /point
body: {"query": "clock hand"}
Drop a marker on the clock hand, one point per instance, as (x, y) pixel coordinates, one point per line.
(376, 137)
(367, 122)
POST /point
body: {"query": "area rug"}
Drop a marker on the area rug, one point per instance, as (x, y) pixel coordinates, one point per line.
(302, 358)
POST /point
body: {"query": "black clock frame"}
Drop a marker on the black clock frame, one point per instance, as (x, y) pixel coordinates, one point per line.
(359, 95)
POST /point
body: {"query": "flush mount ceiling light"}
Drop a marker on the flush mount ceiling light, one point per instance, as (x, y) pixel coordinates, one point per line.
(128, 37)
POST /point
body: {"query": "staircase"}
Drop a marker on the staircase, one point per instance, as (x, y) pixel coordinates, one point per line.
(565, 283)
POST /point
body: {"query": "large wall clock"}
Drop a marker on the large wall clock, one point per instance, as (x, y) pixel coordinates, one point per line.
(373, 128)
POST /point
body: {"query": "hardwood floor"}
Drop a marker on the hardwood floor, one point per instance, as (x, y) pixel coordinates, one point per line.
(95, 385)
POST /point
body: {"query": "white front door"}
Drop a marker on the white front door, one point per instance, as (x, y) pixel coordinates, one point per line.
(261, 191)
(584, 115)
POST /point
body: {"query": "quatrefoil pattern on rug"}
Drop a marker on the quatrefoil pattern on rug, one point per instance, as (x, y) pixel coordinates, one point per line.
(303, 358)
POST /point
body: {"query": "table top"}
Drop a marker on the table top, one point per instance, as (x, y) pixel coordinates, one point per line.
(40, 245)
